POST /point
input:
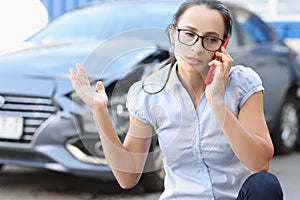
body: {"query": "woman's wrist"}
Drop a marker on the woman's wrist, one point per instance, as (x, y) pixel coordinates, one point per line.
(214, 97)
(97, 109)
(216, 103)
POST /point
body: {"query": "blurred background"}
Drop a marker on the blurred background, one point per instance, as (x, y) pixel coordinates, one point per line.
(20, 20)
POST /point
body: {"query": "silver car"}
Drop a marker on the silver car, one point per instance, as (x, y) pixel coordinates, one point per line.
(44, 124)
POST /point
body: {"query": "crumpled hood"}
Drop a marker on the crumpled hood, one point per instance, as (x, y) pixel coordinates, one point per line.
(44, 70)
(107, 60)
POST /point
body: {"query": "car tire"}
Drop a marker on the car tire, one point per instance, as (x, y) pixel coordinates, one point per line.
(286, 138)
(153, 177)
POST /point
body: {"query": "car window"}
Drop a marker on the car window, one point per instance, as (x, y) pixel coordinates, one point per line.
(102, 22)
(253, 29)
(145, 16)
(81, 23)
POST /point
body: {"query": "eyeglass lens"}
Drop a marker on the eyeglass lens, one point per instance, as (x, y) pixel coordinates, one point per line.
(190, 38)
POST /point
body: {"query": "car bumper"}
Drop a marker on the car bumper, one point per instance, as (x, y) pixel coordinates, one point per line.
(53, 148)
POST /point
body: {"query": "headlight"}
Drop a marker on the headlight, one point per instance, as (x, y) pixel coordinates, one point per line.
(119, 113)
(84, 117)
(88, 123)
(116, 106)
(117, 109)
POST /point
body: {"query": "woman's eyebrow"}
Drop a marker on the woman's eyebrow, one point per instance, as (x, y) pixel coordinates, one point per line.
(191, 28)
(213, 33)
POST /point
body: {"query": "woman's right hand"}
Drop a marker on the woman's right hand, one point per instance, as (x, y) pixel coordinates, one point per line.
(85, 91)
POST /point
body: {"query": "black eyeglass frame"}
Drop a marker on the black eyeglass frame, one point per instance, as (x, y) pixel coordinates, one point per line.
(198, 36)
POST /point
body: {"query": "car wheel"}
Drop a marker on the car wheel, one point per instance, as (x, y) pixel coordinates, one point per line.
(153, 177)
(286, 138)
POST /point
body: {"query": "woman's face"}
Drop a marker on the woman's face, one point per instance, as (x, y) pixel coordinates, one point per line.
(205, 22)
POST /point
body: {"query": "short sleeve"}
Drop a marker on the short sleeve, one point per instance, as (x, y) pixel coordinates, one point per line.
(246, 82)
(136, 103)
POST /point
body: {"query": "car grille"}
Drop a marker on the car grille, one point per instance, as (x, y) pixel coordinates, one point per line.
(34, 110)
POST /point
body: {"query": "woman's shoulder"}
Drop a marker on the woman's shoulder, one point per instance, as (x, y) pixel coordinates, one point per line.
(240, 73)
(242, 83)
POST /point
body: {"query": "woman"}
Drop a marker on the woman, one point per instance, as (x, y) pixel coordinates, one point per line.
(214, 137)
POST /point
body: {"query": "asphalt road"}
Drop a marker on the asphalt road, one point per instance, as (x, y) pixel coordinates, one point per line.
(27, 183)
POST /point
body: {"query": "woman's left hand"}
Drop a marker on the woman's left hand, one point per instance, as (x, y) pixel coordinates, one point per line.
(215, 90)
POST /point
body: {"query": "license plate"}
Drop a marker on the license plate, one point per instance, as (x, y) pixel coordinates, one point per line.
(11, 127)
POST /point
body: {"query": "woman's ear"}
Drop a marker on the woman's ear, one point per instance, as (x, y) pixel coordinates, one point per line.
(172, 33)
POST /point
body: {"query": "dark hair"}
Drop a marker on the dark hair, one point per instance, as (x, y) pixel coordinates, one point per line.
(212, 4)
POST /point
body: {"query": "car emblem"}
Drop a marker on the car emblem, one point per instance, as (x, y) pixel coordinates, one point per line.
(2, 101)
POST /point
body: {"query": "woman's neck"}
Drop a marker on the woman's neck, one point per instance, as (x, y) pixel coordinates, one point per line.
(193, 82)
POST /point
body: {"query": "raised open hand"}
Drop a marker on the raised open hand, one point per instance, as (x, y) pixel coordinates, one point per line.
(84, 90)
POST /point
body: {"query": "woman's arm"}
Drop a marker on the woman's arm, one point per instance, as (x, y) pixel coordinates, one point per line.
(125, 159)
(248, 134)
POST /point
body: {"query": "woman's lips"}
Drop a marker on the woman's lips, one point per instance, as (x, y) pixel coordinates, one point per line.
(193, 60)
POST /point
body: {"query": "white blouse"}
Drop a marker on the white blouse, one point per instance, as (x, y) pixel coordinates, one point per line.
(199, 163)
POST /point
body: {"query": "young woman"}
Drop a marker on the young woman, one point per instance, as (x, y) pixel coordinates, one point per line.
(214, 137)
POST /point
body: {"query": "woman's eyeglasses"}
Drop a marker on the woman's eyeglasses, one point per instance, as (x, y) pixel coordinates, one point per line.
(190, 38)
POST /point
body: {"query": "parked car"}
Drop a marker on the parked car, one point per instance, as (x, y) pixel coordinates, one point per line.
(255, 44)
(44, 124)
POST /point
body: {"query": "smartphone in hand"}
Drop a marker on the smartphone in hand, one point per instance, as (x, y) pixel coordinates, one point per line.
(212, 68)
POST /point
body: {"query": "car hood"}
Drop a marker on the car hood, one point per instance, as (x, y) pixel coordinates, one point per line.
(44, 61)
(43, 70)
(105, 59)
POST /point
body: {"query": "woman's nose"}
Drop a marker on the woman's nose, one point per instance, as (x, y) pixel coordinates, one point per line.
(198, 45)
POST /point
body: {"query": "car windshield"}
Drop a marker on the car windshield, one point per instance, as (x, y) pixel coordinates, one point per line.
(103, 21)
(253, 29)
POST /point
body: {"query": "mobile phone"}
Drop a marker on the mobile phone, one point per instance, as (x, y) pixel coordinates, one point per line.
(212, 68)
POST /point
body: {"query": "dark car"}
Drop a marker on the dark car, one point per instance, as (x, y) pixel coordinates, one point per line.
(44, 124)
(255, 44)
